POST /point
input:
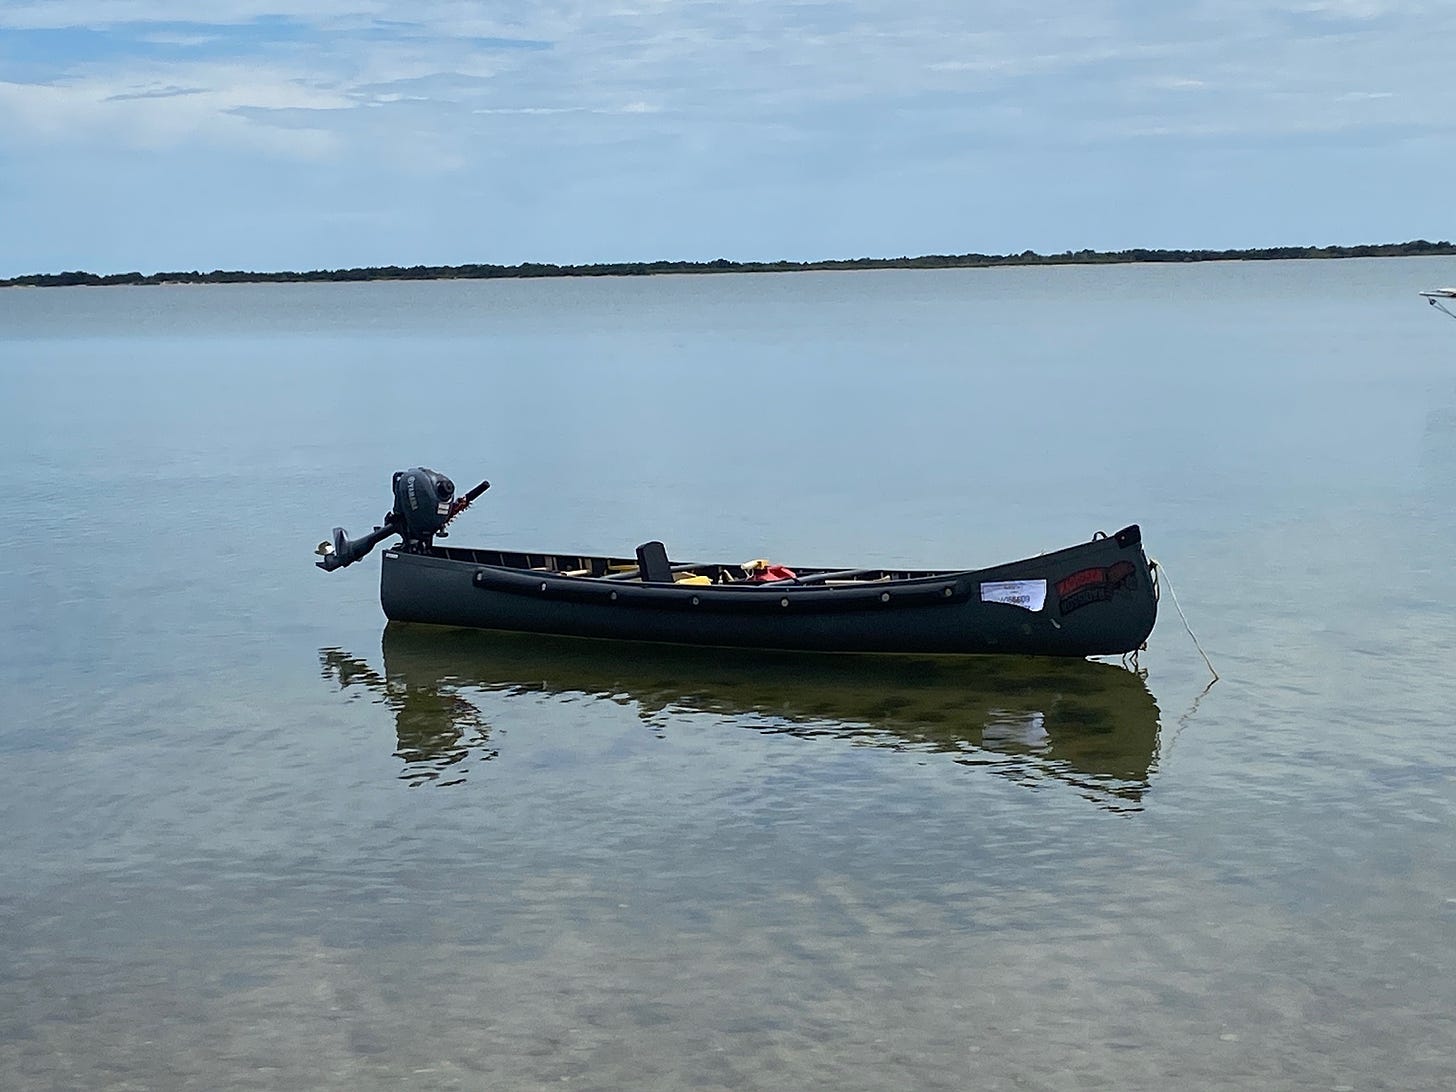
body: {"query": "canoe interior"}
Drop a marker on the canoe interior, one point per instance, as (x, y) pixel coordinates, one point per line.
(626, 568)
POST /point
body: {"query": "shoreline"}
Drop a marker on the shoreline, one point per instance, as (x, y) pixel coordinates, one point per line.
(526, 270)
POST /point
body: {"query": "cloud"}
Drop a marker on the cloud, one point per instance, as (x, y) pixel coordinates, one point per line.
(146, 110)
(1065, 65)
(157, 93)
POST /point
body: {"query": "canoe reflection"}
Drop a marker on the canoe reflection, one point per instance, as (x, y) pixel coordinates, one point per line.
(1092, 726)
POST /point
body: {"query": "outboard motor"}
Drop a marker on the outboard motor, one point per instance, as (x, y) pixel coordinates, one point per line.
(421, 503)
(424, 503)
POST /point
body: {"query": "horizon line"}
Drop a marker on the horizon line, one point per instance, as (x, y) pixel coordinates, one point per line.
(488, 270)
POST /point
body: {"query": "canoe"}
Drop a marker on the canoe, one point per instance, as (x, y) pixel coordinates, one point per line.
(1092, 599)
(1095, 598)
(1092, 727)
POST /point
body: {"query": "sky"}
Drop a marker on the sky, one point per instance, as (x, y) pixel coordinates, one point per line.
(161, 135)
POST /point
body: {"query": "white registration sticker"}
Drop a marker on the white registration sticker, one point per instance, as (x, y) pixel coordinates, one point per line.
(1027, 594)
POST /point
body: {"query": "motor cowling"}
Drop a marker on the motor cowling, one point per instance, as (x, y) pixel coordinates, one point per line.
(422, 503)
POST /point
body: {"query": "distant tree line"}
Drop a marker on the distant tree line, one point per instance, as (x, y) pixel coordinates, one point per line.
(1418, 247)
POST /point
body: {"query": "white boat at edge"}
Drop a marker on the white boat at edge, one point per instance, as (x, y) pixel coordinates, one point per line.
(1434, 297)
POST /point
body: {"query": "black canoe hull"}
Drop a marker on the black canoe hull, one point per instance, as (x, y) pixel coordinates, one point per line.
(1096, 598)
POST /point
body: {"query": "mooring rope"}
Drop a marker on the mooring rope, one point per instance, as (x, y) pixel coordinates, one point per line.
(1157, 567)
(1439, 306)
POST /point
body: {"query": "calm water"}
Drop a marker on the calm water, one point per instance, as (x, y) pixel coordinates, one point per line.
(255, 839)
